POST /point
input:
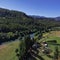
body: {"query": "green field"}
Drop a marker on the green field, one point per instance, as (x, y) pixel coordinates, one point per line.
(7, 51)
(54, 35)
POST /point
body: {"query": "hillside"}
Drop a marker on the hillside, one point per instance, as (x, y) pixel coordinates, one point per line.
(14, 24)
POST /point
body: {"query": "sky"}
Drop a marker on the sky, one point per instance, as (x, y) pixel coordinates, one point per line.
(47, 8)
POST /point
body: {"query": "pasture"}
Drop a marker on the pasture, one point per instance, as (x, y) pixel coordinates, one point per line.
(7, 51)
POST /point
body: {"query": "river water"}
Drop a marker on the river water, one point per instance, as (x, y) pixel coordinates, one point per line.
(32, 35)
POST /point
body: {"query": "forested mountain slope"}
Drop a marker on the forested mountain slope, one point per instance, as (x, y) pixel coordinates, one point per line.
(16, 23)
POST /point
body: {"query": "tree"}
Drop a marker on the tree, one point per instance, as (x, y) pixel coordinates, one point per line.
(56, 53)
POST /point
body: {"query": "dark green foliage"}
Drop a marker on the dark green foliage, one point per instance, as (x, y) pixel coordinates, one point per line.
(24, 47)
(5, 37)
(40, 34)
(56, 53)
(52, 41)
(28, 42)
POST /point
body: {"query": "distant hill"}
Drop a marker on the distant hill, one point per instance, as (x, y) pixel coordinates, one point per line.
(11, 13)
(57, 18)
(37, 17)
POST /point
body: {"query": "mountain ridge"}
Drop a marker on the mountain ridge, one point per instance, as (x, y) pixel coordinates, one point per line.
(14, 13)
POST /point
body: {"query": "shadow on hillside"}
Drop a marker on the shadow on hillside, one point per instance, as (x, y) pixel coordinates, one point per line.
(32, 56)
(49, 56)
(29, 56)
(36, 55)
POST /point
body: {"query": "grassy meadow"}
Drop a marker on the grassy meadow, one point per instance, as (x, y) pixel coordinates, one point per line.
(7, 51)
(53, 35)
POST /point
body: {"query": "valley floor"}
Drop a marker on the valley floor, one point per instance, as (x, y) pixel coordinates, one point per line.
(7, 51)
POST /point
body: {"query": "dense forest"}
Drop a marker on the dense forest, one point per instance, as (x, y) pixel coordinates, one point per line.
(14, 24)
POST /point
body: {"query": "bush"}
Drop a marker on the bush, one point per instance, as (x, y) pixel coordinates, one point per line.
(52, 41)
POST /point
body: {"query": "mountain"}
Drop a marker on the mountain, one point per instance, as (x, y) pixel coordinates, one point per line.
(21, 15)
(57, 18)
(37, 17)
(12, 13)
